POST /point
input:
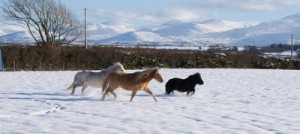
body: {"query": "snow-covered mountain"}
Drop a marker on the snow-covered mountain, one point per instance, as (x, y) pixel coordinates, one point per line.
(195, 28)
(14, 34)
(19, 37)
(265, 33)
(137, 37)
(108, 29)
(176, 32)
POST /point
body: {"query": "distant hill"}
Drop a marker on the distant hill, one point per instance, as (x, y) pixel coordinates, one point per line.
(175, 32)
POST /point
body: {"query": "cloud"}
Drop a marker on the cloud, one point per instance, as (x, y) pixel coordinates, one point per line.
(135, 15)
(161, 14)
(291, 2)
(242, 5)
(180, 14)
(151, 16)
(190, 10)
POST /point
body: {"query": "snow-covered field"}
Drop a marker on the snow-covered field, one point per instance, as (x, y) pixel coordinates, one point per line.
(230, 101)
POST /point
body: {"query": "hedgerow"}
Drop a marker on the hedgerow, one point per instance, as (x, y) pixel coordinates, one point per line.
(35, 58)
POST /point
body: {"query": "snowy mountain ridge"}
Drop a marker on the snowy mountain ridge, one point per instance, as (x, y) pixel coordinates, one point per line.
(175, 32)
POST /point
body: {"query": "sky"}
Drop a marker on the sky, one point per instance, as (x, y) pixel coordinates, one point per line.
(160, 11)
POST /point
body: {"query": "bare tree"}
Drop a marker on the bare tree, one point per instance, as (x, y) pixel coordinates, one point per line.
(49, 22)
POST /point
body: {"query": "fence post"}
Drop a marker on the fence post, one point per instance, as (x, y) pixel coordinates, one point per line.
(40, 67)
(1, 61)
(14, 65)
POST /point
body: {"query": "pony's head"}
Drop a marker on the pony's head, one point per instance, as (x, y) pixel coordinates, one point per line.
(196, 78)
(157, 76)
(117, 67)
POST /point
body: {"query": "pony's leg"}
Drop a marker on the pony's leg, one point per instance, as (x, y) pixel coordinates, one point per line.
(193, 92)
(73, 90)
(74, 87)
(83, 88)
(187, 93)
(115, 96)
(147, 90)
(106, 92)
(133, 94)
(168, 90)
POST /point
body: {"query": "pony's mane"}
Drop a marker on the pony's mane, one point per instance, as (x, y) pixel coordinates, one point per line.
(196, 75)
(114, 67)
(144, 74)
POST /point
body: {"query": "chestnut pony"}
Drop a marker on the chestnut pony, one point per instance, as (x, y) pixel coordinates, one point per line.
(137, 81)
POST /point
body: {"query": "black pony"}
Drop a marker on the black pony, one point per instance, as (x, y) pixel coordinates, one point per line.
(184, 85)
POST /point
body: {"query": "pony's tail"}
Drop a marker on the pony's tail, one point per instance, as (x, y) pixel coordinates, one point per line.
(71, 86)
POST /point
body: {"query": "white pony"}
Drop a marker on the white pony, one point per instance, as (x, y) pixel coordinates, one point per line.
(93, 79)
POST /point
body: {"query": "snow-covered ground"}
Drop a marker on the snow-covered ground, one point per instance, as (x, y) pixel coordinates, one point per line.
(230, 101)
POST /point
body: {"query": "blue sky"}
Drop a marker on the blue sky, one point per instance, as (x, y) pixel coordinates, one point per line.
(159, 11)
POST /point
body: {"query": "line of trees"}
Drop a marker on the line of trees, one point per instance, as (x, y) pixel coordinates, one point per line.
(99, 57)
(254, 49)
